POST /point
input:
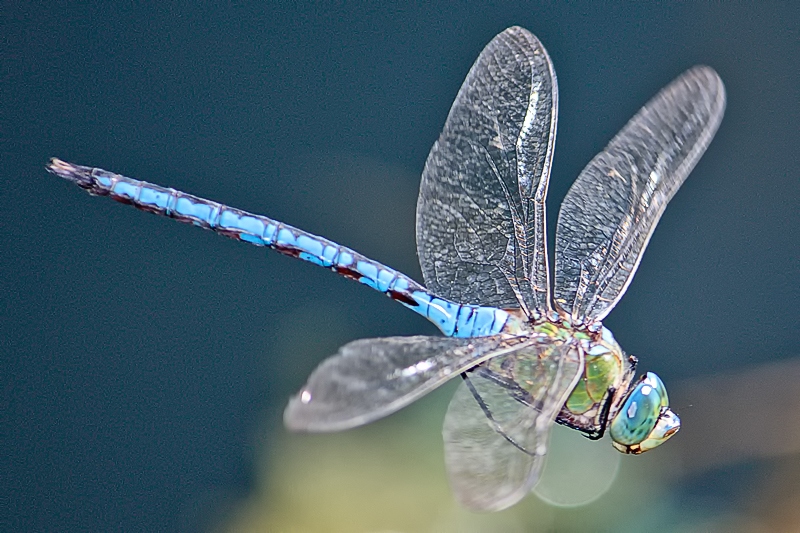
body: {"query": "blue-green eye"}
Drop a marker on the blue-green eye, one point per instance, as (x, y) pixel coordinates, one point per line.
(644, 421)
(668, 424)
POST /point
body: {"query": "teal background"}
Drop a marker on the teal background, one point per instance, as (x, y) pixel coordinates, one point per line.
(145, 365)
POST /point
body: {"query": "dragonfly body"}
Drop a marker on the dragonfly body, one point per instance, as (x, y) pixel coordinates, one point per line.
(452, 318)
(527, 342)
(606, 377)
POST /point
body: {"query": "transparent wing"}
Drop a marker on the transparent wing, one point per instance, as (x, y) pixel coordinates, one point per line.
(497, 426)
(611, 210)
(372, 378)
(480, 213)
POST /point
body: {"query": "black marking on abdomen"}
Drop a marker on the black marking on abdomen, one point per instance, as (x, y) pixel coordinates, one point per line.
(402, 298)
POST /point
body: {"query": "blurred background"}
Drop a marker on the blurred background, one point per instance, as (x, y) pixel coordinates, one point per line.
(146, 364)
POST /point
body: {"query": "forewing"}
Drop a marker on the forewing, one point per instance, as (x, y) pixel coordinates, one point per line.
(611, 210)
(480, 213)
(496, 432)
(372, 378)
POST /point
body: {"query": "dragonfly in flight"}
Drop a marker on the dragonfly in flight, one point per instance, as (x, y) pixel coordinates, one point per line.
(527, 346)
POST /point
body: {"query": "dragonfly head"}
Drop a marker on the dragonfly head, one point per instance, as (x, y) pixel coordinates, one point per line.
(645, 420)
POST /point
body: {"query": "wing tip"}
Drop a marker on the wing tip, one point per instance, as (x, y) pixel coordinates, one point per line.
(303, 416)
(710, 82)
(515, 29)
(300, 417)
(517, 32)
(483, 504)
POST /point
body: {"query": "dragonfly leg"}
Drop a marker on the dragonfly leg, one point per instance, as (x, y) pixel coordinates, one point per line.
(601, 430)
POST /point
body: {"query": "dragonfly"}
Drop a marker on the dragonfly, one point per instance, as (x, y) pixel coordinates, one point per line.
(527, 345)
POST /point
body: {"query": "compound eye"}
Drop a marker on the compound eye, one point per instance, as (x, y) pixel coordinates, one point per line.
(644, 421)
(668, 424)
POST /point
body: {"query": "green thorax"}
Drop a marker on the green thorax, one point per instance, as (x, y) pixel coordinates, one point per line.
(606, 368)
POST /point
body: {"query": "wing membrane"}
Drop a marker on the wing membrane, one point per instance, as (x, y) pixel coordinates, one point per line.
(480, 213)
(611, 210)
(372, 378)
(496, 430)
